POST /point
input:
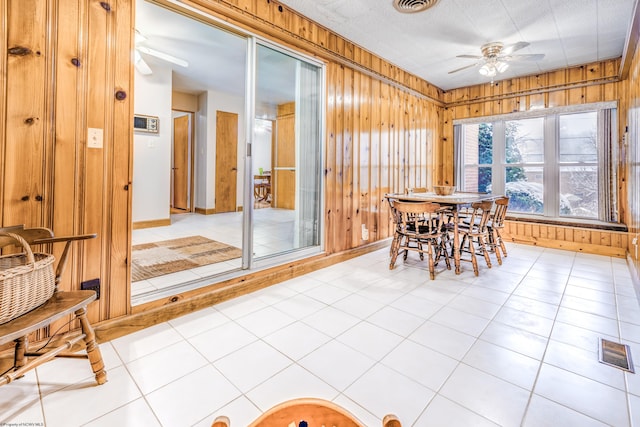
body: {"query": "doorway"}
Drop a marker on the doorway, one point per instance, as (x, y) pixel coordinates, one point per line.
(200, 162)
(182, 166)
(226, 176)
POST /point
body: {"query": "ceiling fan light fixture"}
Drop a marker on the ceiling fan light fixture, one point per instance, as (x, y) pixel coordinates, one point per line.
(413, 6)
(501, 66)
(487, 70)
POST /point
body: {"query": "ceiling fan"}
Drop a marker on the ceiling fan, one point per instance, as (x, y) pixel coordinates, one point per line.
(141, 64)
(496, 56)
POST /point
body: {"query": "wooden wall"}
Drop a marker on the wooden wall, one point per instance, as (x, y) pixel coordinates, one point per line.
(379, 139)
(66, 67)
(630, 120)
(597, 82)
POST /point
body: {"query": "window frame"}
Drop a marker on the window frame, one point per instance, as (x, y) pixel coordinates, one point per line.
(607, 151)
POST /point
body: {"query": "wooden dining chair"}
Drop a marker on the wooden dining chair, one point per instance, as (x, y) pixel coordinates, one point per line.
(474, 234)
(420, 225)
(307, 412)
(494, 225)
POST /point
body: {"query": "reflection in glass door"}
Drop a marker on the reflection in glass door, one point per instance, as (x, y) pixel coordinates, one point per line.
(286, 158)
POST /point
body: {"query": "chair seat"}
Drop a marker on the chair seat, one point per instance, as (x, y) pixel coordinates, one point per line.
(59, 305)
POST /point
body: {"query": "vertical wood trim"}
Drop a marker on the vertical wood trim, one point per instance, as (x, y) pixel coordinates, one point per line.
(4, 32)
(120, 219)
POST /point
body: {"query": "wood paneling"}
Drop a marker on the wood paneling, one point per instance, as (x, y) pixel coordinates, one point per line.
(630, 156)
(284, 159)
(599, 242)
(379, 139)
(62, 81)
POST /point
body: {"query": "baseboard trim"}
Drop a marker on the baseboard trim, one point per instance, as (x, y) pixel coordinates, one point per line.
(205, 211)
(152, 223)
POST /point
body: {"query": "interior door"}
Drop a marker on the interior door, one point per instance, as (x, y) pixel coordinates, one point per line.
(181, 163)
(284, 170)
(226, 161)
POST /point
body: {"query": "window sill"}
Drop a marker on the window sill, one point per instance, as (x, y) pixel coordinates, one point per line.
(569, 222)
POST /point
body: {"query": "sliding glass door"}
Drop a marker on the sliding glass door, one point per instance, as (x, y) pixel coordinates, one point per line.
(286, 155)
(229, 176)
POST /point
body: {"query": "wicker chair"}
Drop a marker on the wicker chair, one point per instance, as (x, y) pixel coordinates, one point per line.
(307, 412)
(59, 305)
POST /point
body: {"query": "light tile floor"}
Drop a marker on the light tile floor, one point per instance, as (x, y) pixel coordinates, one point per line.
(516, 346)
(273, 233)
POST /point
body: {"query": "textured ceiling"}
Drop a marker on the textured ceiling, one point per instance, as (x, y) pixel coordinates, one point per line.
(567, 32)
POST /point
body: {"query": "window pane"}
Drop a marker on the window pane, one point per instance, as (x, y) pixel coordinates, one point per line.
(478, 144)
(477, 179)
(524, 141)
(579, 191)
(578, 137)
(525, 189)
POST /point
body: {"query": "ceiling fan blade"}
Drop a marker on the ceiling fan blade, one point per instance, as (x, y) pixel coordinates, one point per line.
(463, 68)
(141, 65)
(163, 56)
(513, 47)
(532, 57)
(469, 56)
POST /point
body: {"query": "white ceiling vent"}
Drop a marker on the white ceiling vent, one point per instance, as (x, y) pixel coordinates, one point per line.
(413, 6)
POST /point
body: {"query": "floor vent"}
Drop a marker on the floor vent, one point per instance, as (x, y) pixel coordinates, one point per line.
(616, 355)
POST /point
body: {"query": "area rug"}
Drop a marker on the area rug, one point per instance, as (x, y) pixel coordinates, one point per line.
(159, 258)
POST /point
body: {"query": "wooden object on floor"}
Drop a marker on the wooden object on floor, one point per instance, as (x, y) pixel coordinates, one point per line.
(419, 225)
(262, 187)
(473, 230)
(59, 305)
(495, 224)
(308, 412)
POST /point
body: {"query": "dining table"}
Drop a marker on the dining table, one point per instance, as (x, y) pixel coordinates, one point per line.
(454, 201)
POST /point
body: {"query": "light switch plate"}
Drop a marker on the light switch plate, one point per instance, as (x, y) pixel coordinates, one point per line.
(94, 138)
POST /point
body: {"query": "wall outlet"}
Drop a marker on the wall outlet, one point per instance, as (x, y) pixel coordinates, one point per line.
(365, 232)
(94, 138)
(91, 285)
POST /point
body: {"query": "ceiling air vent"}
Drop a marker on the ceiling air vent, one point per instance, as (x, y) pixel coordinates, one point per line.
(413, 6)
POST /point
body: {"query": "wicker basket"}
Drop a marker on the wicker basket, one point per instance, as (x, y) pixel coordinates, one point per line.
(27, 280)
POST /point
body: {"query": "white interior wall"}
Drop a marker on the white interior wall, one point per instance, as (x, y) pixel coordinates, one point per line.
(152, 152)
(261, 149)
(202, 136)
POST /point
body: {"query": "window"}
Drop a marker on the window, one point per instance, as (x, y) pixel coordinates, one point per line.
(558, 163)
